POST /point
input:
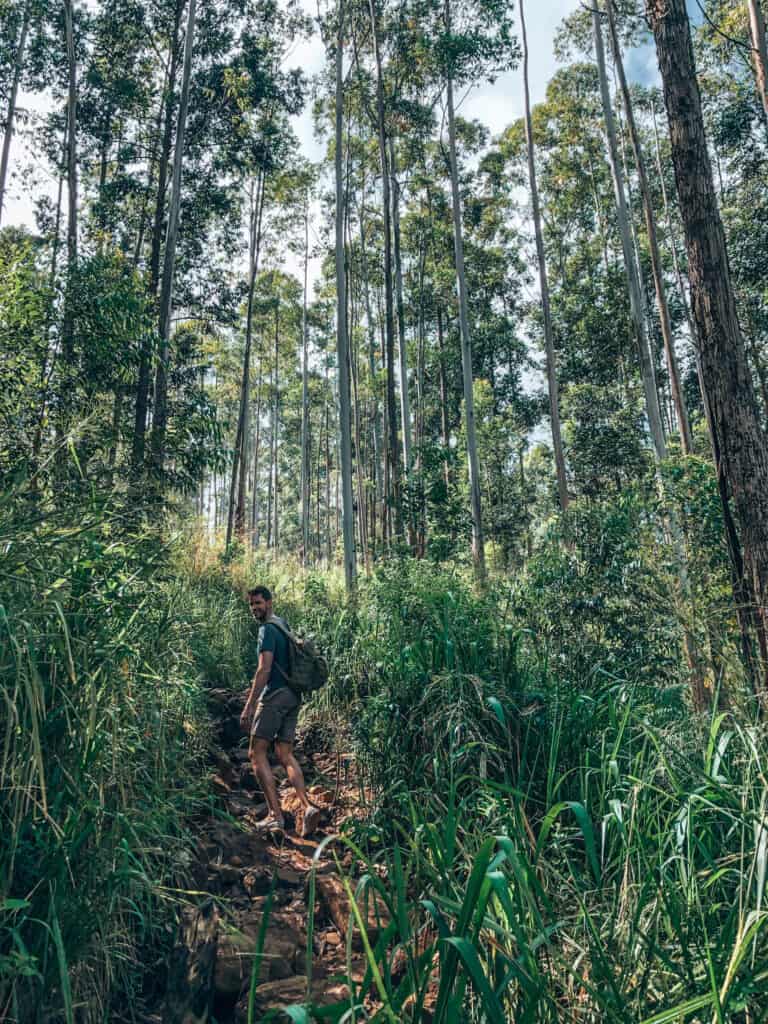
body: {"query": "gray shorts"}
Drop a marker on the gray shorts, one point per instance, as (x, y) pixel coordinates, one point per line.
(276, 716)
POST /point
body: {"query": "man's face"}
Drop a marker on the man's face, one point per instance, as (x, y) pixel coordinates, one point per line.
(260, 608)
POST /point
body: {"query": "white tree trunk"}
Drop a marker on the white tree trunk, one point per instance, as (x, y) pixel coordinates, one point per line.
(305, 454)
(405, 403)
(549, 345)
(653, 244)
(635, 292)
(478, 545)
(17, 69)
(160, 418)
(342, 341)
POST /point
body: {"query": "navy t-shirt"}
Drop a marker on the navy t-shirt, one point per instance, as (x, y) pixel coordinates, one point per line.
(273, 639)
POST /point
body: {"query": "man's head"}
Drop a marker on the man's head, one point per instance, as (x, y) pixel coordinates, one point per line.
(260, 600)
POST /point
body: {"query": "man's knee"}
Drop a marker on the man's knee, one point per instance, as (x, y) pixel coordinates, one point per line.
(284, 752)
(259, 749)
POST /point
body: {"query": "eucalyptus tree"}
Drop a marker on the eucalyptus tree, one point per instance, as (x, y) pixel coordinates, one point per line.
(759, 52)
(549, 345)
(636, 296)
(19, 52)
(160, 418)
(652, 236)
(729, 392)
(474, 41)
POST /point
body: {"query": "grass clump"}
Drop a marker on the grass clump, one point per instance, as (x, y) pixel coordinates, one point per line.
(104, 729)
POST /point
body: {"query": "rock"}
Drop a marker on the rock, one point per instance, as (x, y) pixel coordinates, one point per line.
(289, 992)
(235, 959)
(189, 989)
(225, 874)
(333, 896)
(287, 877)
(247, 778)
(220, 785)
(257, 881)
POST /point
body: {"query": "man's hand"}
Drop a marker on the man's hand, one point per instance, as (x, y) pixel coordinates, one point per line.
(246, 717)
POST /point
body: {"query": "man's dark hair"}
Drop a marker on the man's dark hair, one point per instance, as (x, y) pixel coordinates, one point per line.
(264, 592)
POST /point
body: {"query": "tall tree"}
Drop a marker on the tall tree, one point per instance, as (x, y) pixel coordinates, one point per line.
(673, 369)
(759, 52)
(160, 420)
(729, 391)
(389, 324)
(72, 209)
(342, 337)
(630, 264)
(476, 507)
(549, 344)
(18, 65)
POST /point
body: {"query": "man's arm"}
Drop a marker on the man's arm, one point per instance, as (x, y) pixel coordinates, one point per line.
(260, 680)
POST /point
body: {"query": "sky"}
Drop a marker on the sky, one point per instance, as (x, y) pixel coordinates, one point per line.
(495, 105)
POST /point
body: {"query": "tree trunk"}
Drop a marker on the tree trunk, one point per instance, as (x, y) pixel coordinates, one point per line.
(405, 404)
(549, 344)
(376, 474)
(678, 398)
(68, 331)
(145, 359)
(726, 377)
(236, 519)
(305, 453)
(393, 453)
(342, 340)
(18, 65)
(635, 292)
(478, 545)
(256, 445)
(759, 55)
(443, 401)
(275, 421)
(160, 420)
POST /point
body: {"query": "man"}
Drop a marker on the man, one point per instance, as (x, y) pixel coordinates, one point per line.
(271, 712)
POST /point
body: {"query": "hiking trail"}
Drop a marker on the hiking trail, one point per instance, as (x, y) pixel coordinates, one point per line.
(210, 971)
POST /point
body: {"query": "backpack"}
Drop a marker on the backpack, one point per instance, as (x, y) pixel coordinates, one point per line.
(308, 669)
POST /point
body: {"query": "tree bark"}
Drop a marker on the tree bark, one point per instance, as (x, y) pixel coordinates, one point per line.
(759, 54)
(726, 377)
(18, 66)
(145, 359)
(305, 453)
(69, 312)
(160, 420)
(275, 446)
(342, 339)
(405, 404)
(376, 474)
(478, 544)
(546, 311)
(236, 519)
(393, 453)
(678, 398)
(635, 292)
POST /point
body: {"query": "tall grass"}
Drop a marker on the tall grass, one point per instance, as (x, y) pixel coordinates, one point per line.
(103, 728)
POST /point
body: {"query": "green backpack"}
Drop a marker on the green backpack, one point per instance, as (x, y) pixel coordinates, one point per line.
(308, 669)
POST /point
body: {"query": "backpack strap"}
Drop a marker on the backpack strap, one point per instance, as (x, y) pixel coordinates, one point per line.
(273, 621)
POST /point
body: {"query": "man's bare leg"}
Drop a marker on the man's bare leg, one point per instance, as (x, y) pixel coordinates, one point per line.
(263, 772)
(310, 813)
(293, 770)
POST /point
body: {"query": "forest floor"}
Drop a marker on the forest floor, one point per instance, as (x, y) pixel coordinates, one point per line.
(242, 876)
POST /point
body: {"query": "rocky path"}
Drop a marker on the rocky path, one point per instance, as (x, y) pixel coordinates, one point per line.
(211, 975)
